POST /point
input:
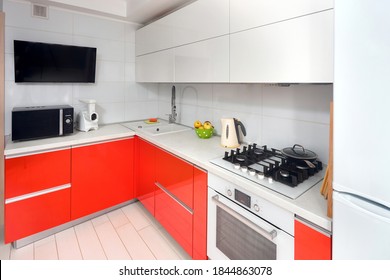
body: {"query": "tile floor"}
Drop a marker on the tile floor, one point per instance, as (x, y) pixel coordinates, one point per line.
(126, 233)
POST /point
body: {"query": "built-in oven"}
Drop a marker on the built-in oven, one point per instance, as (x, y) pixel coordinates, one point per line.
(242, 226)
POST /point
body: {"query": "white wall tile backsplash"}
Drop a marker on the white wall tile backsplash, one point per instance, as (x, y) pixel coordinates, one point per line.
(118, 97)
(273, 115)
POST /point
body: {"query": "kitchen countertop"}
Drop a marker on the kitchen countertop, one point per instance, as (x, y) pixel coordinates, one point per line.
(185, 144)
(104, 133)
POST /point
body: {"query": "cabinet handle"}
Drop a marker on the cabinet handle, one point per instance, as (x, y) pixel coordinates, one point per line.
(269, 234)
(171, 195)
(35, 194)
(313, 226)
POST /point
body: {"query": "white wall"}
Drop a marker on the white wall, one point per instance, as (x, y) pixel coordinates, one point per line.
(275, 116)
(118, 97)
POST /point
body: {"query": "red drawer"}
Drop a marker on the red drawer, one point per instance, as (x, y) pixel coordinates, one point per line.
(175, 175)
(35, 214)
(175, 219)
(33, 173)
(311, 244)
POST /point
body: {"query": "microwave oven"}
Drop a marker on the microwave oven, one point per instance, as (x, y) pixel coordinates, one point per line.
(37, 122)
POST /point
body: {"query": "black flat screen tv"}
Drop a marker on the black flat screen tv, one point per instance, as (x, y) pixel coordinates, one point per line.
(37, 62)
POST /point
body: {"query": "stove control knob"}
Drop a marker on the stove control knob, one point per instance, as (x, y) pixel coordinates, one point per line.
(256, 208)
(229, 192)
(236, 166)
(270, 180)
(260, 176)
(244, 169)
(252, 172)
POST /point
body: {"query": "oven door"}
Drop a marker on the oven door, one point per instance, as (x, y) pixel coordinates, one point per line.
(237, 234)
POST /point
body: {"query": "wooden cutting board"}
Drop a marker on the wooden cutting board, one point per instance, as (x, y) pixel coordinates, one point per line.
(327, 186)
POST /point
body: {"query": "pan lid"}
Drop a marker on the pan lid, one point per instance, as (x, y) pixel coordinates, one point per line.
(299, 152)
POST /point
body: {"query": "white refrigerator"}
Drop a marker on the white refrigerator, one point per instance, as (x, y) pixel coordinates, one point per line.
(361, 200)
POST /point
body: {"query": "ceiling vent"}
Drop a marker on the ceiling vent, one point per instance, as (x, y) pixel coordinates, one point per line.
(40, 11)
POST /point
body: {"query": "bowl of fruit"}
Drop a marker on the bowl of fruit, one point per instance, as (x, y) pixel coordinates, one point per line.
(204, 130)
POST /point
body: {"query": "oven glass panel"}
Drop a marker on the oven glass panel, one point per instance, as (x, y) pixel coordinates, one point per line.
(239, 242)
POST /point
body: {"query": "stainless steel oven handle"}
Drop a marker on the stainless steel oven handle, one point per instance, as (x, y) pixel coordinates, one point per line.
(269, 234)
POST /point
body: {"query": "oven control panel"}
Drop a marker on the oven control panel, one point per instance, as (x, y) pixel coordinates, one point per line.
(257, 205)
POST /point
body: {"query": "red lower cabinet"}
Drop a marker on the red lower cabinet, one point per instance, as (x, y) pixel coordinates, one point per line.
(176, 175)
(32, 215)
(175, 218)
(199, 240)
(102, 176)
(145, 169)
(37, 193)
(175, 192)
(311, 243)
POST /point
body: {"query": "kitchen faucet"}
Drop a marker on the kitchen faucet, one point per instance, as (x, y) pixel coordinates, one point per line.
(173, 114)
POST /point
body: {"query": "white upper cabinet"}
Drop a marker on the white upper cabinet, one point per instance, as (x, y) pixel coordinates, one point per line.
(156, 67)
(246, 14)
(198, 21)
(299, 50)
(205, 61)
(239, 41)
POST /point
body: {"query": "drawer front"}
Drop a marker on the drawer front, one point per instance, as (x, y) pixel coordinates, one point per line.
(311, 244)
(176, 176)
(176, 219)
(28, 174)
(32, 215)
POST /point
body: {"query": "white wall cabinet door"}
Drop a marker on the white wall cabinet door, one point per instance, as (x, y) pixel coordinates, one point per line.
(205, 61)
(200, 20)
(245, 14)
(156, 67)
(299, 50)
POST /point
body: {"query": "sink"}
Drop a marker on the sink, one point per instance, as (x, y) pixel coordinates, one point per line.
(164, 129)
(157, 128)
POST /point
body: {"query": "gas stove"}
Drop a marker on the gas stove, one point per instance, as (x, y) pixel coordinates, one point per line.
(269, 168)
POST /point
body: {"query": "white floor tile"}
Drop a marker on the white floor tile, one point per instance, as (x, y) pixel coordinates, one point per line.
(118, 218)
(89, 243)
(136, 217)
(174, 245)
(158, 244)
(67, 245)
(112, 244)
(24, 253)
(5, 251)
(127, 233)
(46, 249)
(134, 244)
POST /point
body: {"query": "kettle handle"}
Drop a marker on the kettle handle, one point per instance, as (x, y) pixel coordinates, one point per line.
(237, 123)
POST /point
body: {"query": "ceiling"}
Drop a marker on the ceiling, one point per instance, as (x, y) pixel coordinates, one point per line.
(137, 11)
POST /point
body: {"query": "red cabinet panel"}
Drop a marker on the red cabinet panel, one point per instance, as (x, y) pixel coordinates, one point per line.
(35, 214)
(175, 219)
(145, 173)
(200, 215)
(181, 205)
(33, 173)
(176, 175)
(310, 244)
(102, 176)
